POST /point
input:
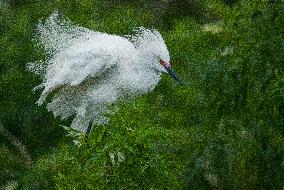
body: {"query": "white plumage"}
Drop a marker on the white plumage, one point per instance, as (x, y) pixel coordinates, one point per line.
(88, 70)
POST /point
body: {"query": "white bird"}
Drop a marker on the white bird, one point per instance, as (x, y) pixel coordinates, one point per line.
(88, 70)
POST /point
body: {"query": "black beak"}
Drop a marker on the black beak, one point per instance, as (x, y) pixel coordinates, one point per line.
(174, 75)
(171, 72)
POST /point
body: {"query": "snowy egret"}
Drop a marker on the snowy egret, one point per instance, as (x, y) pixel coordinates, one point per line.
(87, 70)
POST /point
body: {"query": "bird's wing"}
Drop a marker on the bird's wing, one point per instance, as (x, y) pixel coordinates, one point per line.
(57, 33)
(89, 59)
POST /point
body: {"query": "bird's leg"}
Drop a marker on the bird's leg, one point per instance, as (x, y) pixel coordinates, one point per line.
(88, 132)
(89, 127)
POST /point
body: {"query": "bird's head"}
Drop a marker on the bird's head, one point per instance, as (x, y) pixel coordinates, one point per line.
(153, 48)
